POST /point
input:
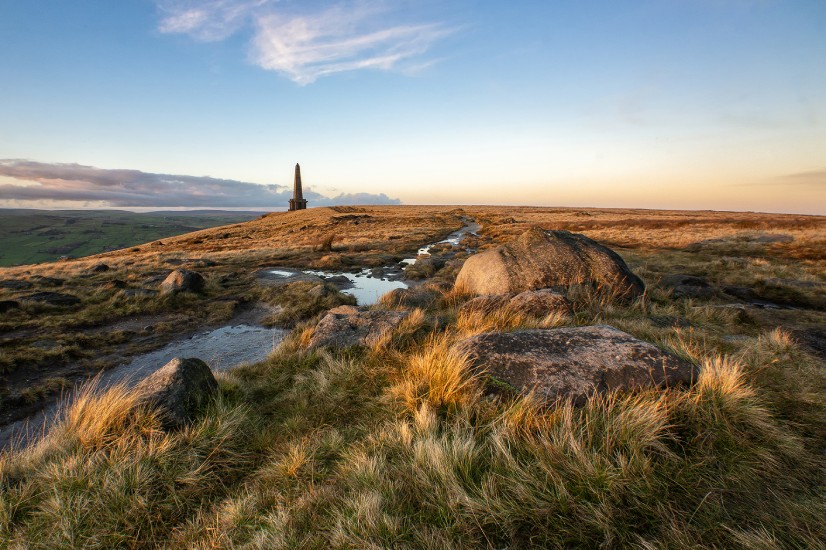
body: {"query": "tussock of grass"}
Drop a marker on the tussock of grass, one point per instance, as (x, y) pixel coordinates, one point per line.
(107, 476)
(438, 377)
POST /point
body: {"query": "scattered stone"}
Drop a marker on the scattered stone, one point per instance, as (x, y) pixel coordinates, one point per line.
(178, 390)
(484, 304)
(360, 328)
(574, 363)
(543, 259)
(182, 280)
(688, 286)
(51, 298)
(338, 280)
(15, 284)
(99, 268)
(8, 305)
(47, 281)
(541, 303)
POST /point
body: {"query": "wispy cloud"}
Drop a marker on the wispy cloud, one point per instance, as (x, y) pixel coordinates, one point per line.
(304, 43)
(207, 20)
(78, 184)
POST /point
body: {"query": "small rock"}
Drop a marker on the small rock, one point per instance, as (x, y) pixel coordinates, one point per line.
(574, 363)
(360, 328)
(15, 284)
(182, 280)
(99, 268)
(179, 390)
(688, 286)
(47, 281)
(8, 305)
(540, 303)
(51, 298)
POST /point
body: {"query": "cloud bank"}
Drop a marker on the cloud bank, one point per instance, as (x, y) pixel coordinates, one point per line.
(303, 41)
(77, 184)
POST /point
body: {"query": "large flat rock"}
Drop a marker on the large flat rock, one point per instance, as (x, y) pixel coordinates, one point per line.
(346, 328)
(574, 363)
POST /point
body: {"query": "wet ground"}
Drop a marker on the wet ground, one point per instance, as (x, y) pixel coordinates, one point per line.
(244, 341)
(222, 349)
(370, 284)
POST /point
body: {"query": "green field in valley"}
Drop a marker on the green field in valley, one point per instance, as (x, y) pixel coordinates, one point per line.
(35, 236)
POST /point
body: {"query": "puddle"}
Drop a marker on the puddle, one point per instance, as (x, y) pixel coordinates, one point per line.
(366, 288)
(221, 349)
(368, 285)
(453, 239)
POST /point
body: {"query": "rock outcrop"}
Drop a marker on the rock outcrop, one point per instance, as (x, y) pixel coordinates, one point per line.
(359, 328)
(182, 280)
(574, 363)
(178, 390)
(15, 284)
(51, 298)
(545, 259)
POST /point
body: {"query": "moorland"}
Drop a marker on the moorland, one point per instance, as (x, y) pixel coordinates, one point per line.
(34, 236)
(400, 443)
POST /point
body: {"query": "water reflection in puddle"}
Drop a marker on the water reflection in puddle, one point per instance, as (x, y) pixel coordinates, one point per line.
(222, 349)
(365, 286)
(366, 289)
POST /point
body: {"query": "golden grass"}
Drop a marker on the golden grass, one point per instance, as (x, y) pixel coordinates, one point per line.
(398, 445)
(438, 377)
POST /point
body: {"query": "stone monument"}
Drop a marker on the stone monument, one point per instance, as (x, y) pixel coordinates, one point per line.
(298, 202)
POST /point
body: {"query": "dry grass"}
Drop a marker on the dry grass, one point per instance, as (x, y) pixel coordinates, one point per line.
(399, 445)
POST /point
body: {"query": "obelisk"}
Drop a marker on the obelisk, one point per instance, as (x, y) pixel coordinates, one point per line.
(298, 202)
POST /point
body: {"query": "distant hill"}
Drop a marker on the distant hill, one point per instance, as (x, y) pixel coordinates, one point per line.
(34, 236)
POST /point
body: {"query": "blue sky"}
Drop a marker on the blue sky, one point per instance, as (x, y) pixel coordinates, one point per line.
(717, 104)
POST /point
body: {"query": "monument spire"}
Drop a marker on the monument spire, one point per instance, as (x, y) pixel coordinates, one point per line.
(298, 202)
